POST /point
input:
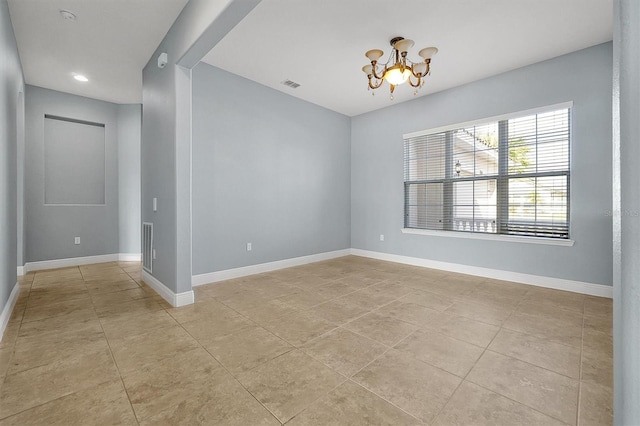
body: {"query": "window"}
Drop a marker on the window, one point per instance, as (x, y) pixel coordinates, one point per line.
(503, 176)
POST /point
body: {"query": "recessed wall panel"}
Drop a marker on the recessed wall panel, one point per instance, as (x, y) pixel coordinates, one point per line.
(74, 162)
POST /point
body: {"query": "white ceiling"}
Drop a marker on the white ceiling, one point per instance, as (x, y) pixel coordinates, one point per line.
(110, 42)
(321, 44)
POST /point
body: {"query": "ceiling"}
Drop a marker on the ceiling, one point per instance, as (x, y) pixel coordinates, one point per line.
(321, 44)
(109, 42)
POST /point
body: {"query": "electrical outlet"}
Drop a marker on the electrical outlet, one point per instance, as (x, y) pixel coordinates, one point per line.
(76, 240)
(381, 237)
(153, 253)
(248, 246)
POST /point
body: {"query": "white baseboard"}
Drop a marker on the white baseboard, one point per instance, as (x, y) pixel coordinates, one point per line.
(176, 300)
(77, 261)
(228, 274)
(8, 309)
(536, 280)
(129, 257)
(72, 261)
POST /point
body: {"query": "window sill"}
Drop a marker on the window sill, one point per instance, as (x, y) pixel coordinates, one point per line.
(490, 237)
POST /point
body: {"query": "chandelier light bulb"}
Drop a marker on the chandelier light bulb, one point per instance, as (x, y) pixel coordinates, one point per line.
(397, 76)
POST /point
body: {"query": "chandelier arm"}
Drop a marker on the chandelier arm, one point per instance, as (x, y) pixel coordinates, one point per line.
(373, 86)
(375, 74)
(417, 83)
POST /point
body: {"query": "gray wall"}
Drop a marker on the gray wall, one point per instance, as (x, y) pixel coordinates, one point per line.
(129, 128)
(11, 83)
(626, 207)
(583, 77)
(50, 229)
(166, 132)
(269, 169)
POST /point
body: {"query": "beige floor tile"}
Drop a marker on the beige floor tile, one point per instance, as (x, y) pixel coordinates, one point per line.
(135, 352)
(596, 405)
(473, 405)
(409, 312)
(338, 311)
(548, 392)
(109, 286)
(351, 404)
(105, 404)
(336, 289)
(419, 389)
(368, 298)
(382, 328)
(598, 306)
(139, 306)
(479, 312)
(452, 355)
(344, 351)
(5, 358)
(428, 300)
(129, 325)
(222, 288)
(211, 328)
(597, 368)
(46, 348)
(269, 290)
(172, 381)
(223, 402)
(42, 384)
(562, 359)
(490, 298)
(246, 348)
(465, 329)
(598, 342)
(207, 309)
(58, 293)
(602, 323)
(103, 300)
(303, 299)
(299, 327)
(567, 330)
(290, 383)
(310, 282)
(243, 301)
(56, 324)
(268, 310)
(555, 299)
(70, 310)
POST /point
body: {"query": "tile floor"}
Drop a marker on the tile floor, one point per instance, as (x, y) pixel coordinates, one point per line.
(346, 341)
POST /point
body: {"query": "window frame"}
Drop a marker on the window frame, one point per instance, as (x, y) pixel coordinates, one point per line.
(500, 176)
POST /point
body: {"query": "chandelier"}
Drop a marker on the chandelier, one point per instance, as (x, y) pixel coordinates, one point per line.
(398, 69)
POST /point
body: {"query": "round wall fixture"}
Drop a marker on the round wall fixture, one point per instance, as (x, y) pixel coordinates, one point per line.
(68, 16)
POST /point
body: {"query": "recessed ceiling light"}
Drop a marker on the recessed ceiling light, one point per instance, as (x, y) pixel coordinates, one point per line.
(69, 16)
(80, 77)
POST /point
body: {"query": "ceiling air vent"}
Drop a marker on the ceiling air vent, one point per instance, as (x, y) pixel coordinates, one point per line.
(290, 83)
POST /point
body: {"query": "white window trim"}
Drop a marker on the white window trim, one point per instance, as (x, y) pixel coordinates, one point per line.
(502, 117)
(490, 237)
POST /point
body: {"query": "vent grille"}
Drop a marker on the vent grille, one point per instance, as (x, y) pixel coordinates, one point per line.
(290, 83)
(147, 247)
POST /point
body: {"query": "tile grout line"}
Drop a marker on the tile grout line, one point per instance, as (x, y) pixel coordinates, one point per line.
(227, 370)
(580, 370)
(113, 358)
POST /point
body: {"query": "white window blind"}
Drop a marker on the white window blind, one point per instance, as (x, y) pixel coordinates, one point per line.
(508, 176)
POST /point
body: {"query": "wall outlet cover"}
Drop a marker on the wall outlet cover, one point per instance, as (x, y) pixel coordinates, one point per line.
(76, 240)
(249, 247)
